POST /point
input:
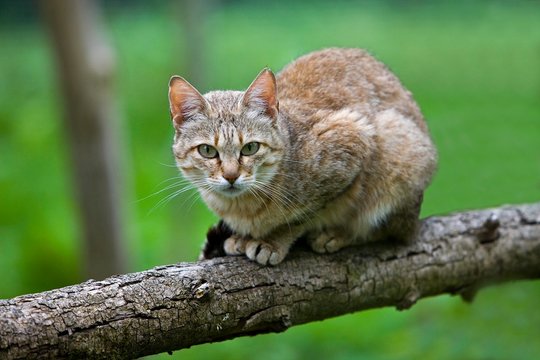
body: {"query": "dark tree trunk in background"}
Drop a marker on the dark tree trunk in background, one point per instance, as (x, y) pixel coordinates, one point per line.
(86, 67)
(192, 15)
(177, 306)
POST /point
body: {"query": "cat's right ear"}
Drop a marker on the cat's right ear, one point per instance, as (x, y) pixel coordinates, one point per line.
(184, 100)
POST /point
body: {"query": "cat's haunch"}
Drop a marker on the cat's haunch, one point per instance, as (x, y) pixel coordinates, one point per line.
(333, 149)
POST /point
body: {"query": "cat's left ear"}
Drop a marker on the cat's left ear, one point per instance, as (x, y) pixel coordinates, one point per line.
(262, 93)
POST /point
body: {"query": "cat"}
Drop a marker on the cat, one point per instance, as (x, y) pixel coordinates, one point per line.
(333, 149)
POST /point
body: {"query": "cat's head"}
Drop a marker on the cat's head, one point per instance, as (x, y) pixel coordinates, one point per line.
(227, 142)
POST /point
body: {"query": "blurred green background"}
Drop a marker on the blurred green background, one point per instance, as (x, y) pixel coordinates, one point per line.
(474, 68)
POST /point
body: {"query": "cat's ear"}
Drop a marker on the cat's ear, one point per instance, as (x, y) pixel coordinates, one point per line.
(184, 100)
(262, 93)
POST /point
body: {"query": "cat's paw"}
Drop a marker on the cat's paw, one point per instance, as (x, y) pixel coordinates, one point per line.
(265, 253)
(235, 245)
(328, 242)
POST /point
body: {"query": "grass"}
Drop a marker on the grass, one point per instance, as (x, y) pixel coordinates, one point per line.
(472, 67)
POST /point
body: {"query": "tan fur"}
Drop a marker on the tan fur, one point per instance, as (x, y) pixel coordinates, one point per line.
(345, 154)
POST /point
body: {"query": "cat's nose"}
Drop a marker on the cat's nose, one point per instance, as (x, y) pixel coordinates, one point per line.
(230, 170)
(230, 177)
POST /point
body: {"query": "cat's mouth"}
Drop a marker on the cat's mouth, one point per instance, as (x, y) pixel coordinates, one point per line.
(231, 190)
(226, 189)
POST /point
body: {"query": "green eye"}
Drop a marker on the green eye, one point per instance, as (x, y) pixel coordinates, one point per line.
(207, 151)
(250, 148)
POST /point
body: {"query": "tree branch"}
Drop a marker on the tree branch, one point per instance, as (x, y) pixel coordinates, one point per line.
(177, 306)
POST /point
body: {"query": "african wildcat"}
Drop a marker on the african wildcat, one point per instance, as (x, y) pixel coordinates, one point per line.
(333, 149)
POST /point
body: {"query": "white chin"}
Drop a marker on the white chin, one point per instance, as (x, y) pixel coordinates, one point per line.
(231, 192)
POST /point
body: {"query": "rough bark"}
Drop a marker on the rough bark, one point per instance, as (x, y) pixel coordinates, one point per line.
(86, 68)
(177, 306)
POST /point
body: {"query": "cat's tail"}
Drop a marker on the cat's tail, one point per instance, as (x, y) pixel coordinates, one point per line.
(215, 238)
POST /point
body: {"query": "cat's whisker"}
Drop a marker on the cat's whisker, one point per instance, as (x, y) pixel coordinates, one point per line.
(163, 201)
(172, 186)
(194, 196)
(276, 199)
(168, 187)
(171, 196)
(292, 206)
(174, 178)
(258, 197)
(168, 165)
(284, 196)
(193, 199)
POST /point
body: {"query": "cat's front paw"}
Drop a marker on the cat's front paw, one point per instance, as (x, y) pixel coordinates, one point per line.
(235, 245)
(265, 253)
(328, 242)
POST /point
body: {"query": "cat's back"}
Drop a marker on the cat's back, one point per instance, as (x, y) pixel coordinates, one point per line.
(335, 78)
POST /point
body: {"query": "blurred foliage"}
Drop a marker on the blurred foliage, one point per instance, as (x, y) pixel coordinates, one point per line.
(474, 68)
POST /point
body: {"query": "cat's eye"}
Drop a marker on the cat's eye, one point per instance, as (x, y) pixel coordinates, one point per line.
(250, 148)
(207, 151)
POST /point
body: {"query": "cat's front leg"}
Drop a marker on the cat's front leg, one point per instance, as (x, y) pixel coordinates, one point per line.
(236, 244)
(329, 241)
(273, 248)
(266, 252)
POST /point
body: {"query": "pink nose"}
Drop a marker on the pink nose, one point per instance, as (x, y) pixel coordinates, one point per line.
(230, 177)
